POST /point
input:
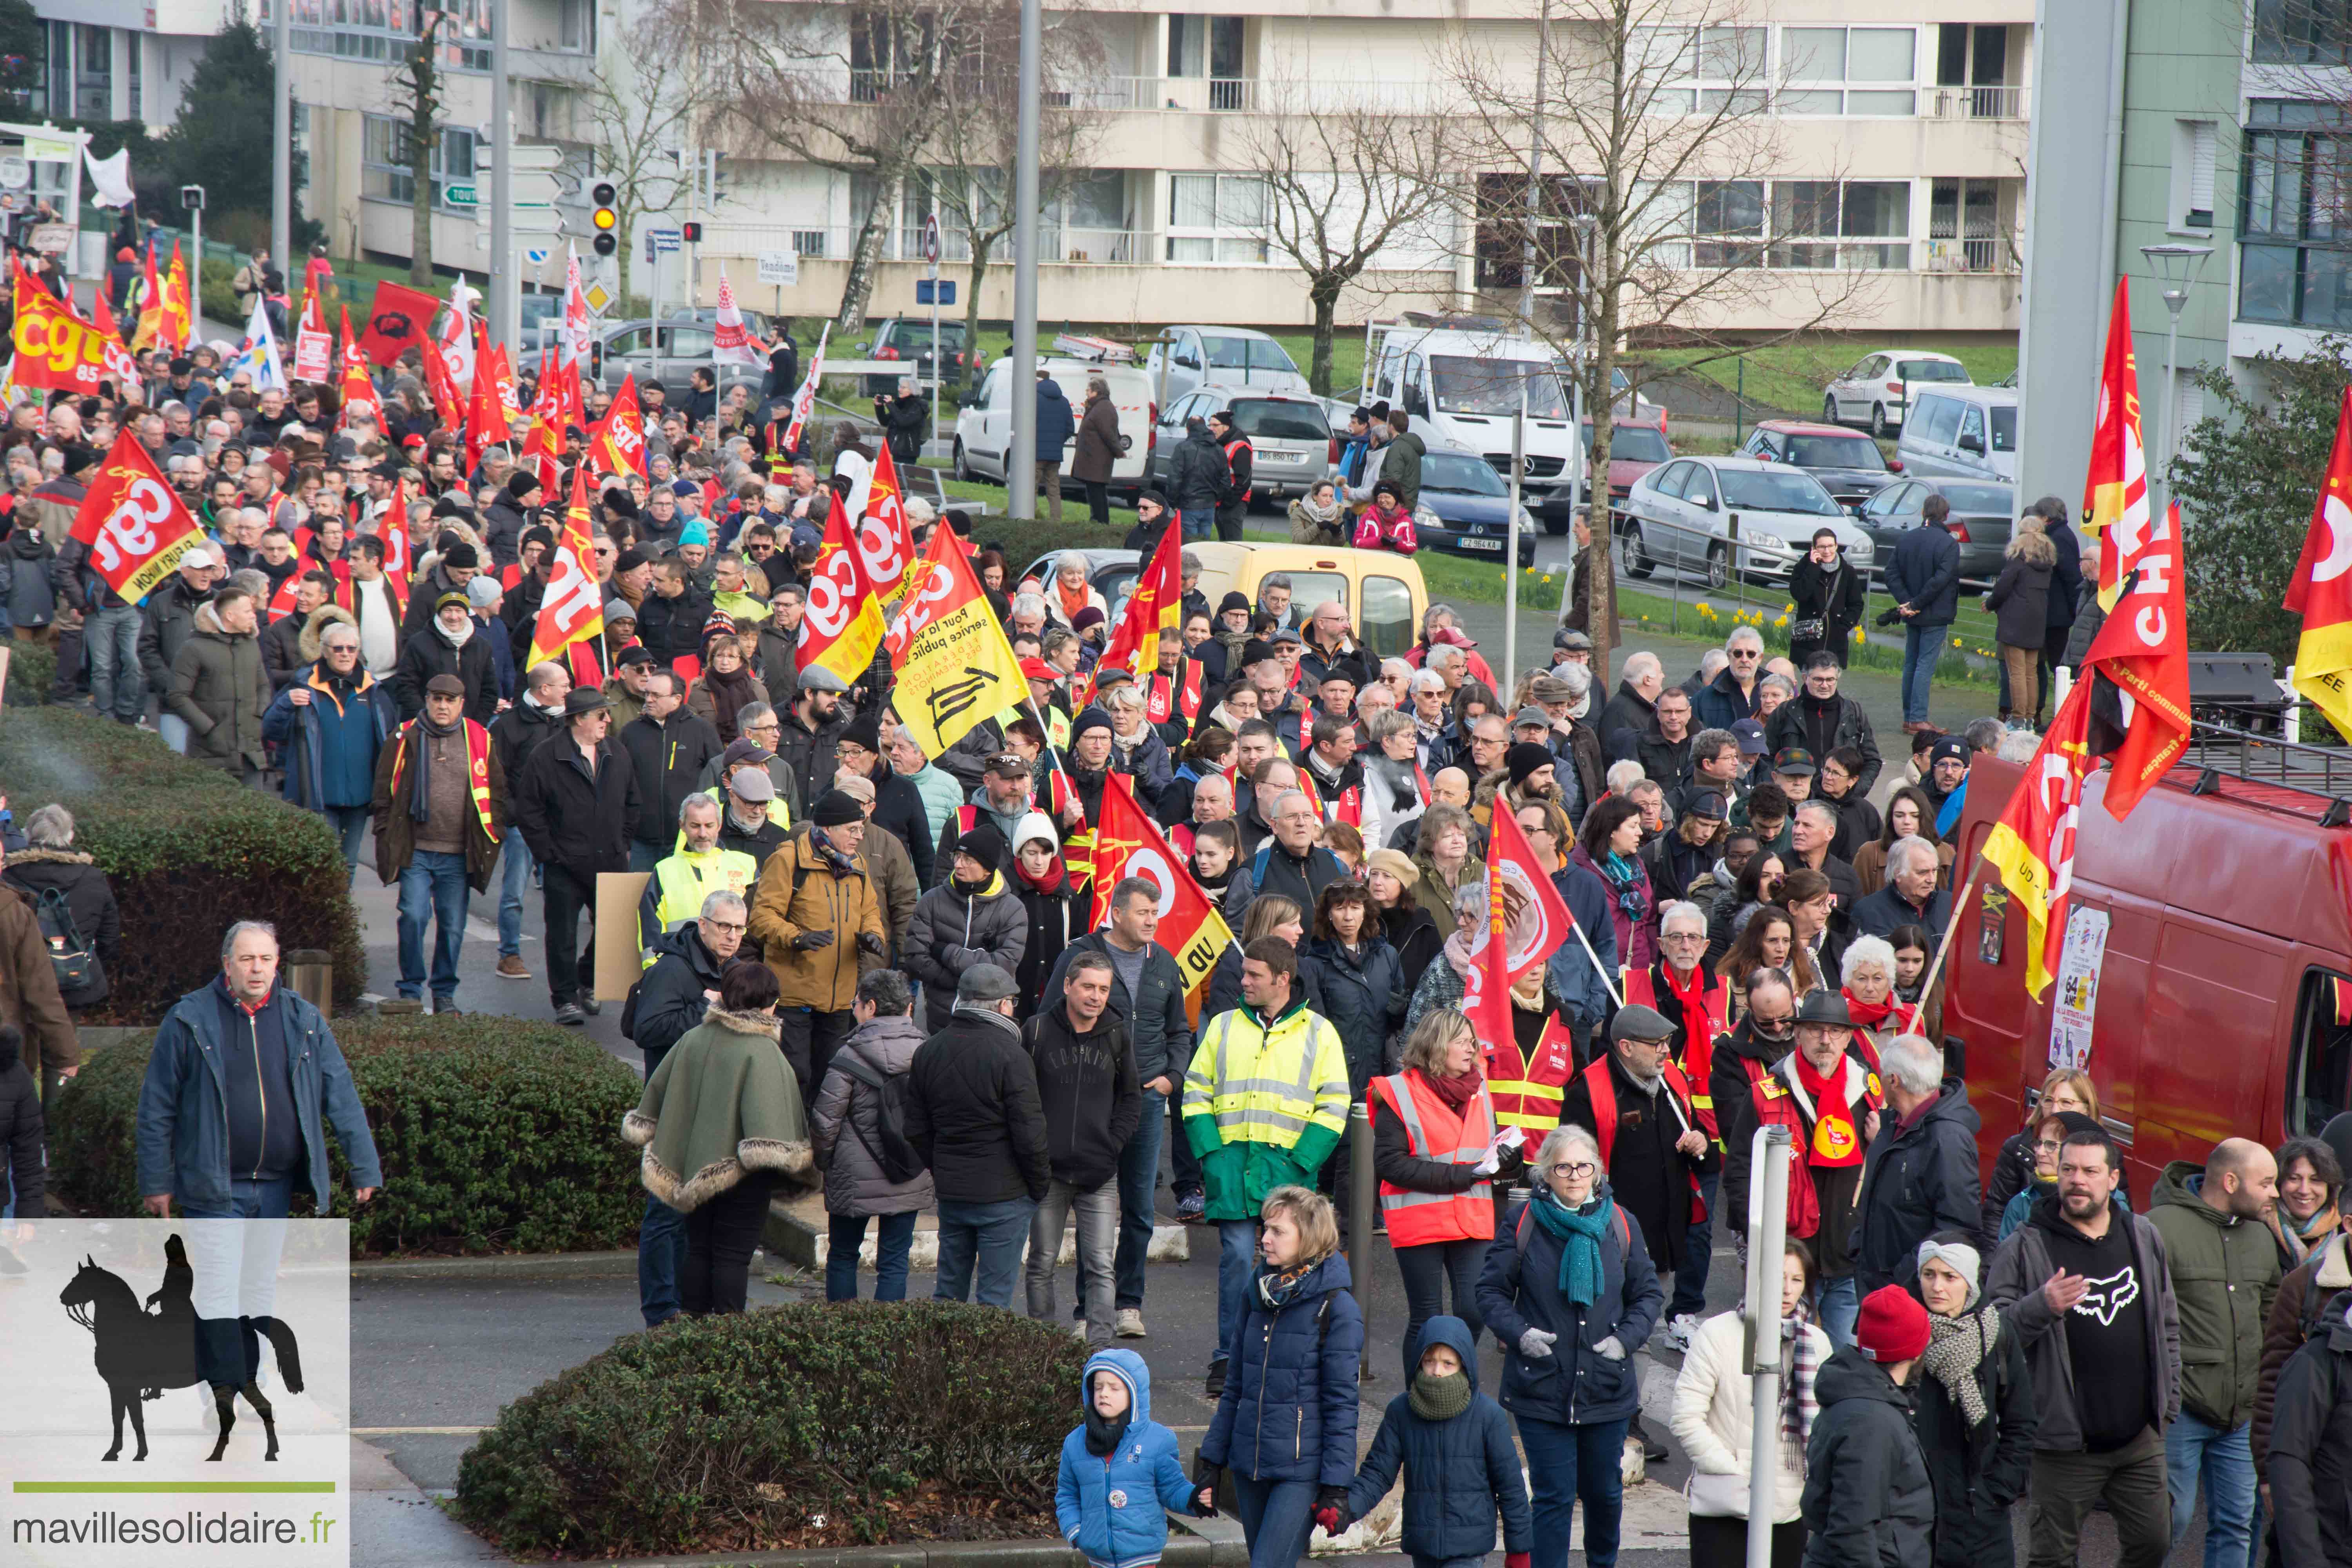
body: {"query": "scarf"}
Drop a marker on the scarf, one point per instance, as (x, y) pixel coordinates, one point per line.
(1577, 1231)
(1457, 952)
(1103, 1433)
(1072, 603)
(1625, 879)
(728, 689)
(1323, 515)
(1051, 882)
(2296, 1239)
(1455, 1093)
(1439, 1398)
(420, 766)
(746, 825)
(1798, 1406)
(1277, 1290)
(1870, 1014)
(840, 865)
(457, 638)
(1690, 998)
(1956, 1348)
(1837, 1137)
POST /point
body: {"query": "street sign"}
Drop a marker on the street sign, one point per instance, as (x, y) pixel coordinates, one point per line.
(931, 237)
(934, 291)
(660, 239)
(782, 268)
(458, 196)
(599, 297)
(537, 255)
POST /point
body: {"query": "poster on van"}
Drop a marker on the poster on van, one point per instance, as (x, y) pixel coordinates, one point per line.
(2078, 988)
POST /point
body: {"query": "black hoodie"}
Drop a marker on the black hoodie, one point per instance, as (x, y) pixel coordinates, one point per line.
(1087, 1083)
(1867, 1501)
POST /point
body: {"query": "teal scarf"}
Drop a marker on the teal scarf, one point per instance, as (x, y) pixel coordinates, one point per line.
(1579, 1233)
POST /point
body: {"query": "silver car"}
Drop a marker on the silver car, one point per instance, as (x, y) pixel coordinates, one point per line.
(667, 351)
(1290, 436)
(1684, 516)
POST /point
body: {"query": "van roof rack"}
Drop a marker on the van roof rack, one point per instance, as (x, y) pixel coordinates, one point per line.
(2267, 770)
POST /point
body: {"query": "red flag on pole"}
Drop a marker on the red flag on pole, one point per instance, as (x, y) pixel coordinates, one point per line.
(573, 609)
(2138, 664)
(1130, 843)
(2032, 844)
(399, 319)
(1529, 915)
(2321, 591)
(136, 528)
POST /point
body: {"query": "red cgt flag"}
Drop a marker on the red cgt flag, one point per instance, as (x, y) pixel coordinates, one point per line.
(1526, 922)
(2032, 844)
(2138, 664)
(573, 609)
(617, 445)
(1130, 843)
(136, 528)
(2321, 590)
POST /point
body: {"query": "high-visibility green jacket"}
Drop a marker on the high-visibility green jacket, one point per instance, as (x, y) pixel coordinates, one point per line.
(675, 891)
(1264, 1104)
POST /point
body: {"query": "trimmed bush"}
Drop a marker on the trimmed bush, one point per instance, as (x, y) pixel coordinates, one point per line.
(796, 1427)
(32, 670)
(497, 1135)
(187, 849)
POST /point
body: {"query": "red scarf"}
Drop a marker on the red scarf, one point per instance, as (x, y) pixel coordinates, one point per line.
(1056, 878)
(1456, 1092)
(1837, 1134)
(1870, 1014)
(1692, 997)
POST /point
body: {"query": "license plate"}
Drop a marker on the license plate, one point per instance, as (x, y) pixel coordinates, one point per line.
(1469, 542)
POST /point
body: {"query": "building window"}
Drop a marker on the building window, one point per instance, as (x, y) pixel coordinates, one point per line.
(94, 74)
(2193, 145)
(2302, 32)
(2294, 243)
(577, 27)
(1700, 70)
(1848, 70)
(1217, 217)
(1823, 225)
(135, 56)
(60, 101)
(1728, 223)
(384, 173)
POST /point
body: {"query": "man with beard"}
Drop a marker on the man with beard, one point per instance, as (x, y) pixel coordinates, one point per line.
(1086, 766)
(813, 724)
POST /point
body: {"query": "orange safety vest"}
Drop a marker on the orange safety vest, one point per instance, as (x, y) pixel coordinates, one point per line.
(1434, 1132)
(1603, 1089)
(1641, 989)
(478, 769)
(1524, 1095)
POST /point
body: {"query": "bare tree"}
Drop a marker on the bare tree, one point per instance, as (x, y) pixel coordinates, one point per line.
(417, 97)
(643, 107)
(1674, 218)
(1343, 182)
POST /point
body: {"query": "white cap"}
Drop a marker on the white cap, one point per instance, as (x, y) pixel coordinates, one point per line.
(202, 555)
(1034, 824)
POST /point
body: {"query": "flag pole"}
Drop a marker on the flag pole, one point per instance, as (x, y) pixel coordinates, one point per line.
(1951, 929)
(1614, 994)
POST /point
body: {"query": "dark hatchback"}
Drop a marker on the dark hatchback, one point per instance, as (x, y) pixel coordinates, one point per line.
(1471, 505)
(1982, 511)
(1849, 466)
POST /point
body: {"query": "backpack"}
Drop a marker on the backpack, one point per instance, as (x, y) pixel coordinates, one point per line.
(889, 1147)
(74, 959)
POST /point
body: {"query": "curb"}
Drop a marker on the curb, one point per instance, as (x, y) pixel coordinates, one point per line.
(1181, 1553)
(575, 1265)
(788, 1238)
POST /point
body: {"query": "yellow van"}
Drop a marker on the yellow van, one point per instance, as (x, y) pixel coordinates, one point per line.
(1384, 592)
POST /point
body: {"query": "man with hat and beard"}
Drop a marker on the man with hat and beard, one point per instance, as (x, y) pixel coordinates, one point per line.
(440, 808)
(897, 805)
(1529, 774)
(819, 926)
(973, 917)
(576, 802)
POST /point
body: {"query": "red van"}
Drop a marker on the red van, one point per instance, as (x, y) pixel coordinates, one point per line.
(2224, 1005)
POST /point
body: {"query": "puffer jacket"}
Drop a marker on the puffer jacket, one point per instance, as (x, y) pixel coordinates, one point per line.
(219, 688)
(1289, 1409)
(951, 932)
(1458, 1472)
(1868, 1501)
(1114, 1507)
(1714, 1420)
(2311, 1451)
(1364, 997)
(1978, 1472)
(845, 1125)
(1575, 1385)
(799, 891)
(2225, 1273)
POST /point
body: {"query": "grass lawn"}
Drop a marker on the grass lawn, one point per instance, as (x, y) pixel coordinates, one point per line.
(1792, 376)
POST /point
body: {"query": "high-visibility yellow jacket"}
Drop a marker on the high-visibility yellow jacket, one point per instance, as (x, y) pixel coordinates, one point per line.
(1265, 1101)
(679, 883)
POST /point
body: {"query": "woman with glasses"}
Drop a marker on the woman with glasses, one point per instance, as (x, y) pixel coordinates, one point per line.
(2014, 1166)
(1569, 1290)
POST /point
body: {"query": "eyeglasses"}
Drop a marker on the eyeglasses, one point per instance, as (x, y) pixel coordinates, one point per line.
(735, 926)
(2049, 1145)
(1579, 1168)
(1685, 936)
(1746, 653)
(1772, 1025)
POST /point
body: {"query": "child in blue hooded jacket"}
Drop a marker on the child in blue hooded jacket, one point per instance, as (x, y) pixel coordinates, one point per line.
(1455, 1446)
(1121, 1471)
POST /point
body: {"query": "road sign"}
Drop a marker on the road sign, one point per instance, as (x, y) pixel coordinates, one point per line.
(599, 297)
(537, 255)
(934, 291)
(782, 268)
(458, 196)
(931, 237)
(660, 239)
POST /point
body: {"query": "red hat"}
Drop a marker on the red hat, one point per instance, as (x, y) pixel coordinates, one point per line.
(1893, 1325)
(1451, 637)
(1037, 669)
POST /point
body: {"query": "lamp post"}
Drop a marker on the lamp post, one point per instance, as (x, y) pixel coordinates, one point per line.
(1020, 464)
(2177, 266)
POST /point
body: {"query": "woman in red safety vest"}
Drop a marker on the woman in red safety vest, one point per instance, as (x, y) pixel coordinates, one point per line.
(1438, 1152)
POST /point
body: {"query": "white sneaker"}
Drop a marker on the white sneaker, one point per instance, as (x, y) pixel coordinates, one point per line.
(1679, 1331)
(1131, 1323)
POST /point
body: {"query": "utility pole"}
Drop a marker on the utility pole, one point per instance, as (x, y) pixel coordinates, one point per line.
(281, 157)
(505, 304)
(690, 162)
(1021, 461)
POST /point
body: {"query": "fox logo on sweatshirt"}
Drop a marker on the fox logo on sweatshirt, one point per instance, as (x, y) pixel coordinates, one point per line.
(2103, 1299)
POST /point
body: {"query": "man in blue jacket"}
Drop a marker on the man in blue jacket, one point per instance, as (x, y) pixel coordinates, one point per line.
(1056, 426)
(338, 718)
(1923, 575)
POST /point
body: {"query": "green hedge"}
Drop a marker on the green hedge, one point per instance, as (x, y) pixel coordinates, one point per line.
(1022, 542)
(496, 1135)
(187, 849)
(792, 1426)
(32, 670)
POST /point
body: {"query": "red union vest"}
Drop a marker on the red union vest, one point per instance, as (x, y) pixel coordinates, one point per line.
(1780, 1102)
(478, 769)
(1641, 990)
(1526, 1095)
(1603, 1089)
(1434, 1132)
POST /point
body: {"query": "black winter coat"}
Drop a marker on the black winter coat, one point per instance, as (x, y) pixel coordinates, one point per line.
(1364, 997)
(1052, 917)
(2311, 1449)
(1924, 573)
(1156, 1024)
(671, 628)
(1458, 1472)
(1087, 1091)
(427, 653)
(1519, 1289)
(165, 625)
(89, 900)
(2066, 575)
(2019, 601)
(809, 751)
(898, 807)
(1916, 1182)
(973, 1114)
(1627, 717)
(1868, 1501)
(1978, 1472)
(575, 822)
(1197, 475)
(1833, 595)
(20, 1134)
(1647, 1175)
(518, 732)
(668, 760)
(1795, 723)
(671, 999)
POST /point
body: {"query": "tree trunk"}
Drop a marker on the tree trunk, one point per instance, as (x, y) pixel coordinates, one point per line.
(863, 257)
(423, 80)
(1599, 575)
(1324, 292)
(983, 245)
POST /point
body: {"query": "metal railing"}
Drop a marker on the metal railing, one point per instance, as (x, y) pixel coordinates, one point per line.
(1057, 245)
(2218, 750)
(1972, 102)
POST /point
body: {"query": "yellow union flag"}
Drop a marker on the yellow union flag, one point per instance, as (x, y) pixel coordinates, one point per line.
(954, 667)
(2033, 844)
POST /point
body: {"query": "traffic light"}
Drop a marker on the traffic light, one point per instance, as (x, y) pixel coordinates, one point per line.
(693, 232)
(606, 219)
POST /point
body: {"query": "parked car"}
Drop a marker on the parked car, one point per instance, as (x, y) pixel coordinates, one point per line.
(1190, 357)
(1290, 436)
(1678, 516)
(1383, 591)
(1873, 391)
(1850, 466)
(1983, 512)
(1965, 432)
(666, 351)
(1636, 446)
(983, 426)
(1465, 510)
(909, 338)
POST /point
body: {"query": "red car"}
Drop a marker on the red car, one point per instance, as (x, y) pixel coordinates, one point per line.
(1634, 450)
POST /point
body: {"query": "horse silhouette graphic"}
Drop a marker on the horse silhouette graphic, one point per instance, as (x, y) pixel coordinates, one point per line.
(139, 1353)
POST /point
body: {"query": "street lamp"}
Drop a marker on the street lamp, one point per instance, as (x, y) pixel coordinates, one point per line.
(2178, 265)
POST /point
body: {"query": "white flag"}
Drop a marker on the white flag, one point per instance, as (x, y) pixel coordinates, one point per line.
(457, 337)
(572, 341)
(259, 354)
(733, 344)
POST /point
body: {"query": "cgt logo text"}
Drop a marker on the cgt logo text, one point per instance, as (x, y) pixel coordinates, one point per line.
(183, 1385)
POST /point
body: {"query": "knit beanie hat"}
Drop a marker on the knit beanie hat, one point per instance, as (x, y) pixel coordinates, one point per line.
(834, 809)
(1236, 600)
(867, 732)
(1524, 758)
(1893, 1325)
(985, 845)
(1092, 718)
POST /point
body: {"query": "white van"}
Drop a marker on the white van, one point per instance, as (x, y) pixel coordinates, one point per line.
(1962, 432)
(1460, 388)
(983, 427)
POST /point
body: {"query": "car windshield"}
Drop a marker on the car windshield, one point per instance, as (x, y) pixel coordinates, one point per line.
(1931, 370)
(2004, 428)
(1835, 452)
(1749, 489)
(1248, 354)
(1988, 501)
(1491, 386)
(1459, 475)
(904, 335)
(1262, 420)
(1632, 444)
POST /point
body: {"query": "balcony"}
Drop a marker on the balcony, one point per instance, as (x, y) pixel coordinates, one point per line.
(1972, 102)
(1057, 245)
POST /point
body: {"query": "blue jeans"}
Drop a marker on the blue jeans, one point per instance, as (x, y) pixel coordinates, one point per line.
(110, 637)
(514, 876)
(250, 1200)
(661, 1253)
(989, 1237)
(1840, 1305)
(1698, 1253)
(1198, 522)
(1236, 1262)
(432, 887)
(2195, 1450)
(1922, 646)
(1138, 1189)
(1564, 1464)
(351, 823)
(894, 1238)
(1276, 1518)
